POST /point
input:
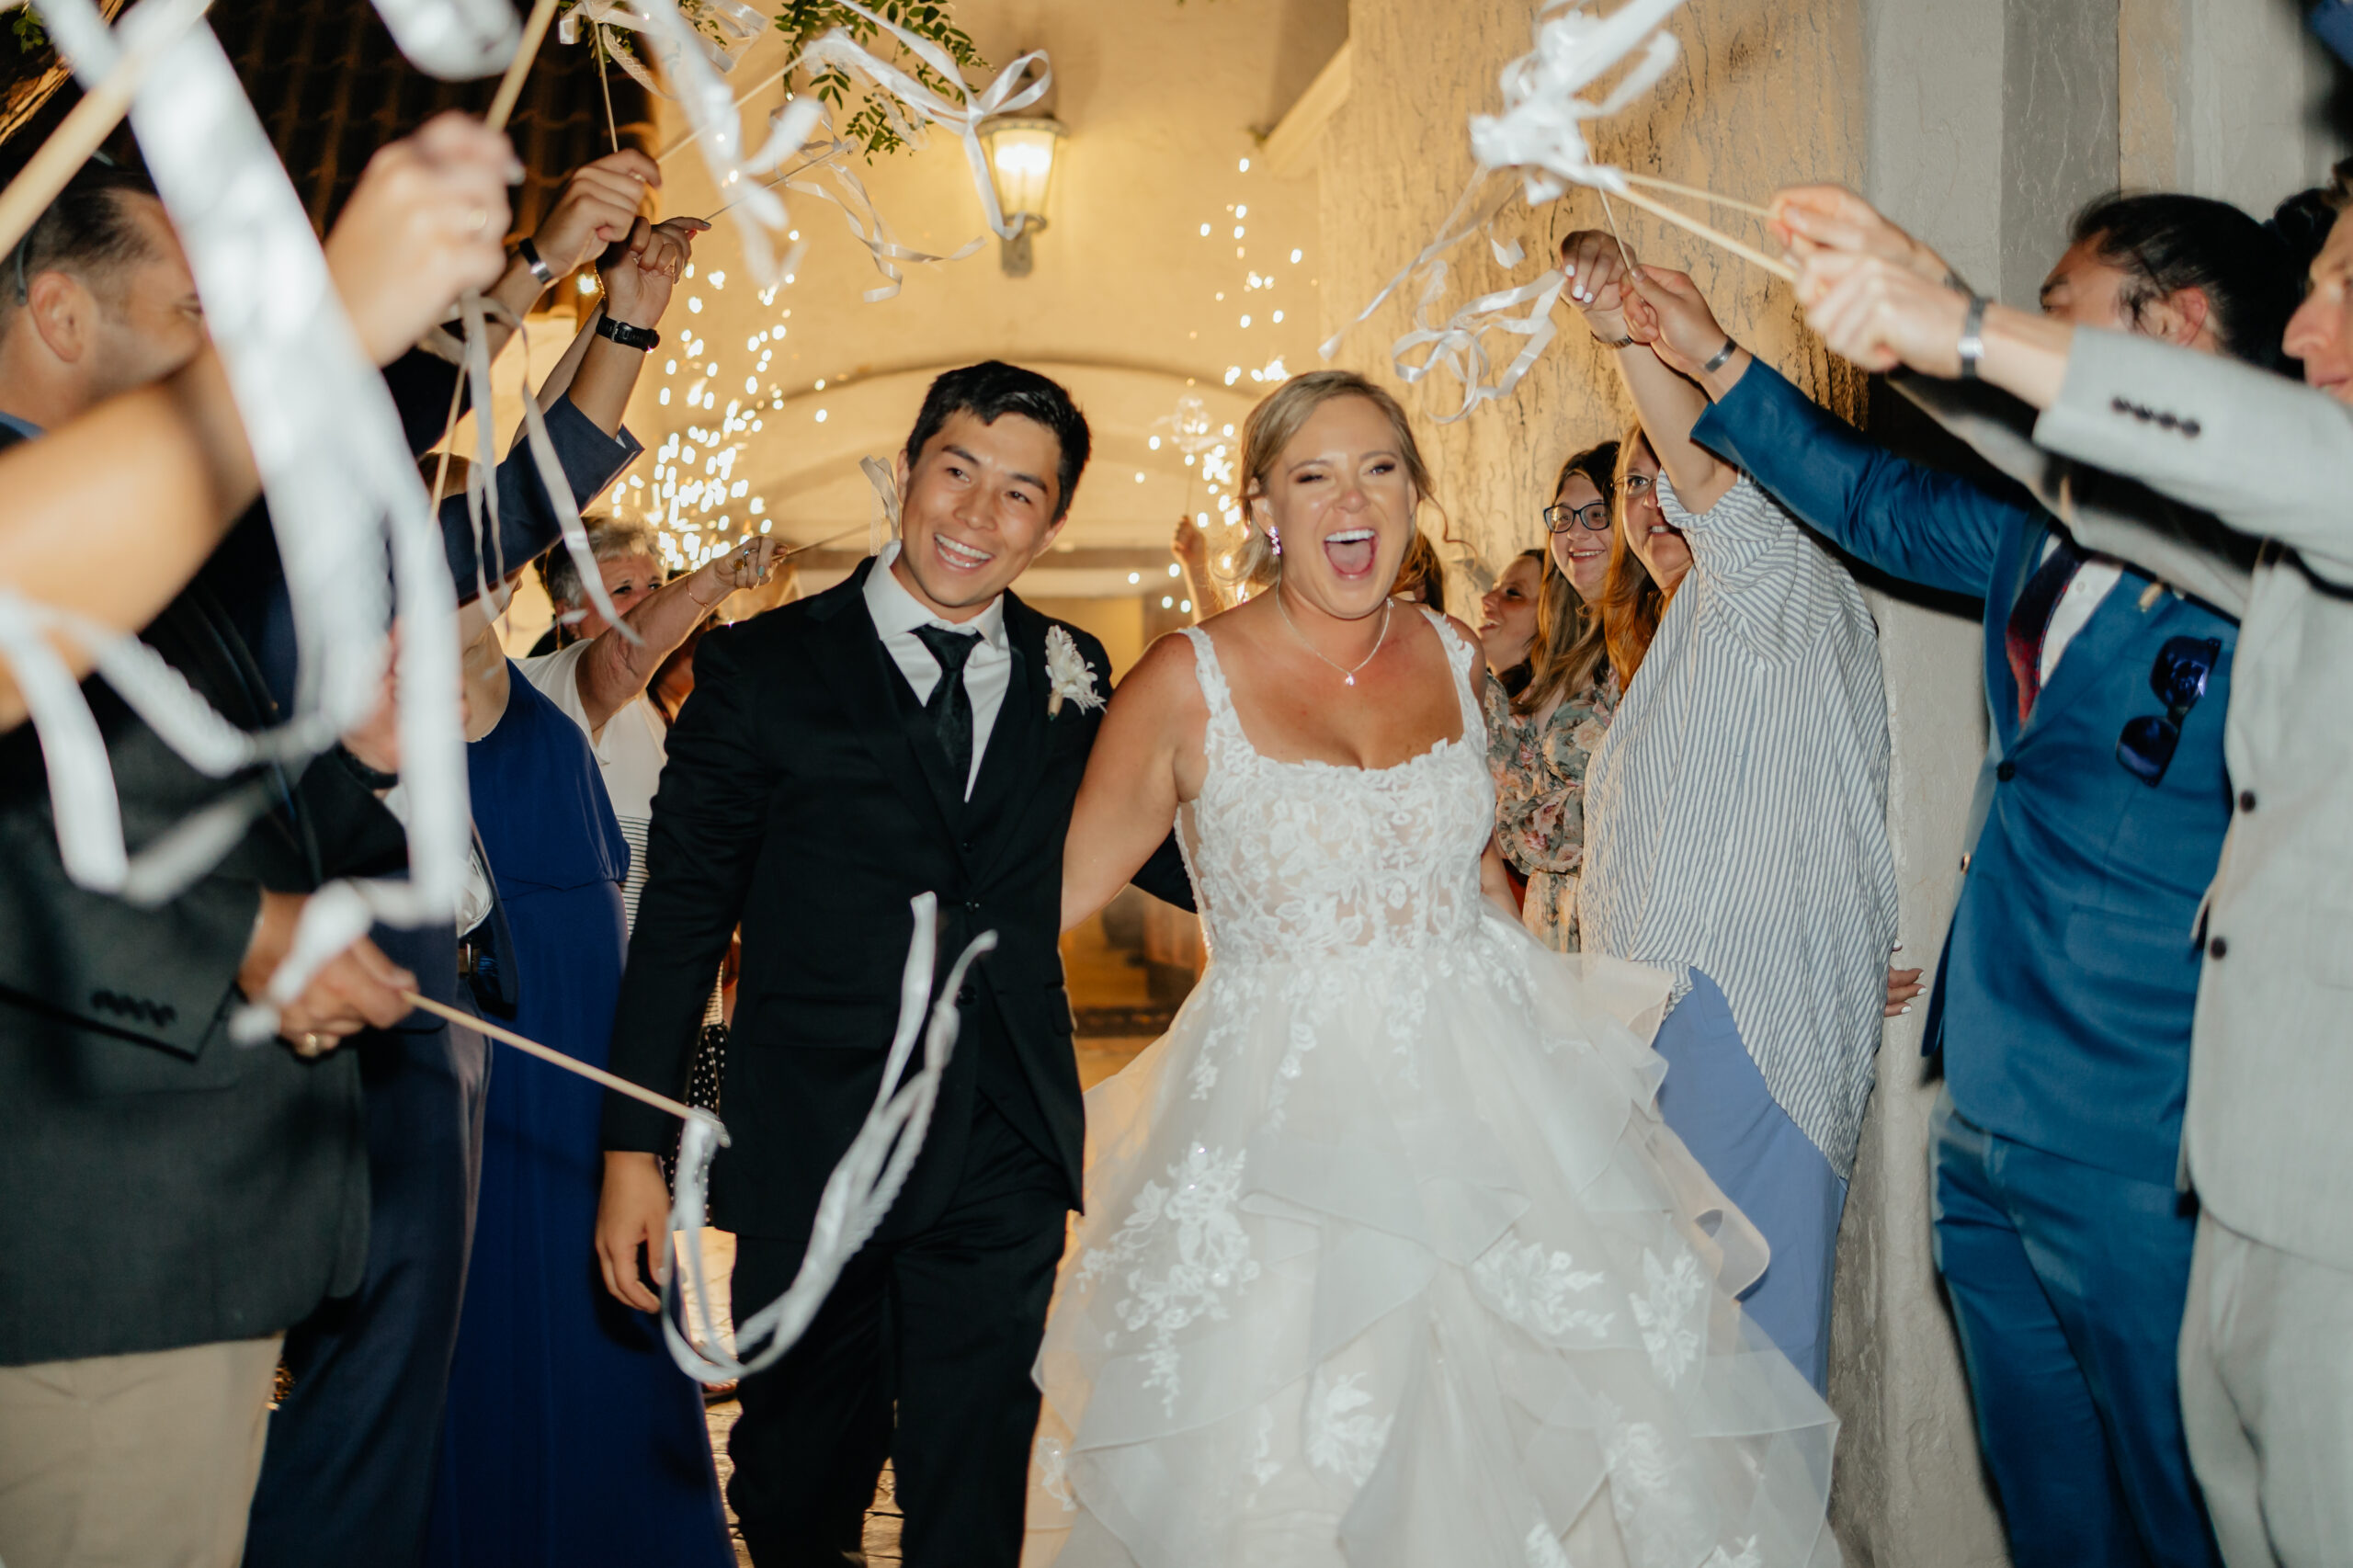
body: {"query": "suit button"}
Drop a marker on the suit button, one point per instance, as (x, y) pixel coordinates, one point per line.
(972, 905)
(964, 996)
(2005, 771)
(2247, 800)
(966, 846)
(2217, 949)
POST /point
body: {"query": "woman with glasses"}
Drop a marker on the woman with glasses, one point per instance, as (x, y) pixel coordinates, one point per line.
(1538, 742)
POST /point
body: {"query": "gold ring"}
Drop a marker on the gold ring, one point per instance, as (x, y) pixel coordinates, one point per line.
(310, 1045)
(479, 220)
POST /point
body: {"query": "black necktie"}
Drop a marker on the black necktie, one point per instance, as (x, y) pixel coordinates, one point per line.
(2030, 619)
(950, 708)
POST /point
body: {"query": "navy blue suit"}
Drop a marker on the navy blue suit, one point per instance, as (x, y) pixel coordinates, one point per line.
(2063, 1001)
(348, 1473)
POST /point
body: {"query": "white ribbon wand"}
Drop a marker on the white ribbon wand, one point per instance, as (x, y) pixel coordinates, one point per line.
(1539, 136)
(866, 1180)
(857, 1195)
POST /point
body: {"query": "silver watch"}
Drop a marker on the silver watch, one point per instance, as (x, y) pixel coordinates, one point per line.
(1973, 337)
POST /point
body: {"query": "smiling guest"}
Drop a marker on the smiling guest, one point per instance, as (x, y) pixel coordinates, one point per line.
(1507, 620)
(916, 729)
(1539, 741)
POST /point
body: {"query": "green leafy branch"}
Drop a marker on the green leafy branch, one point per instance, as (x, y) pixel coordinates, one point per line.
(803, 22)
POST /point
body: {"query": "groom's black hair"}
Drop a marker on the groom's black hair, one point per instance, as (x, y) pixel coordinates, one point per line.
(993, 389)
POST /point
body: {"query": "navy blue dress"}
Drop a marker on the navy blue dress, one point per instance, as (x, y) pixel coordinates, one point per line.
(571, 1440)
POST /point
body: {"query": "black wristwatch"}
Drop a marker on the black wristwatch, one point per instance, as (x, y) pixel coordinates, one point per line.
(641, 338)
(528, 254)
(373, 778)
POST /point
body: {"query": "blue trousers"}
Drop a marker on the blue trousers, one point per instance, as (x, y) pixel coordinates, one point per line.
(2068, 1284)
(1716, 1101)
(348, 1473)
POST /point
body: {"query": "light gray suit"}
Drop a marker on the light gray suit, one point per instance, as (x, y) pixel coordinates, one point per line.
(2263, 471)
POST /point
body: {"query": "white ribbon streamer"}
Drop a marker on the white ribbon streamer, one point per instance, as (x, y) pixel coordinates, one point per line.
(735, 24)
(864, 1181)
(1004, 95)
(344, 497)
(454, 40)
(1539, 136)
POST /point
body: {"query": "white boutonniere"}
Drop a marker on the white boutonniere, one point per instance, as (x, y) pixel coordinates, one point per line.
(1067, 675)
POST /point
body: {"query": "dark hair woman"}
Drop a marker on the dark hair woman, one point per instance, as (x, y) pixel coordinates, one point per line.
(1537, 743)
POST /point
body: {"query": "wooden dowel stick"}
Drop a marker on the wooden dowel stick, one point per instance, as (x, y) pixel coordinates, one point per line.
(510, 87)
(1773, 265)
(70, 147)
(1696, 193)
(619, 1085)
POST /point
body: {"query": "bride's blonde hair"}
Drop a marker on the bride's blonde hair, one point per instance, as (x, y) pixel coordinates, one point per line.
(1269, 429)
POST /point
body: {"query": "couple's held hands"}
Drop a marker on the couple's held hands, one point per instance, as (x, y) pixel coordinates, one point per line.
(1655, 307)
(633, 1229)
(356, 989)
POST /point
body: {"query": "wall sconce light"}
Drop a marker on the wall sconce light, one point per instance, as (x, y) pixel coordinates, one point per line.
(1021, 163)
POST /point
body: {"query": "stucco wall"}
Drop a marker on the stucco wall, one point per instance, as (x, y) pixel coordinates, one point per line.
(1780, 102)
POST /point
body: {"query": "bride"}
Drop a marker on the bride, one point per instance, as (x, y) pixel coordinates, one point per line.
(1387, 1258)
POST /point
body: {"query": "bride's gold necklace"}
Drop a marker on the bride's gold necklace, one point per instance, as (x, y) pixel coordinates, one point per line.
(1346, 674)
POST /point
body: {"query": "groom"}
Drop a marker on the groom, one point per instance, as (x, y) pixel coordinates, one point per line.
(889, 736)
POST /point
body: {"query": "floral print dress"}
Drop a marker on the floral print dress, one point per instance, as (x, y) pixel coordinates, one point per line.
(1539, 768)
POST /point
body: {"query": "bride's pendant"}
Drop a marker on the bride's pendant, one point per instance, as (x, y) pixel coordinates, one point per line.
(1352, 680)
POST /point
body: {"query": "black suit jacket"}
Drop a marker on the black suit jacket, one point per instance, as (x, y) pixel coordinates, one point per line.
(804, 797)
(166, 1187)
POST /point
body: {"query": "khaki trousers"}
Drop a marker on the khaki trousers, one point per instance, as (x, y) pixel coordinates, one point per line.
(2267, 1395)
(133, 1462)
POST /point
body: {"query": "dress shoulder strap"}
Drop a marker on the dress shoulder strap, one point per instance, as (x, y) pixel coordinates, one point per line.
(1224, 722)
(1463, 658)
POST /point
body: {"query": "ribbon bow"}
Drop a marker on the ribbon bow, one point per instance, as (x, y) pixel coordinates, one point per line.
(1539, 135)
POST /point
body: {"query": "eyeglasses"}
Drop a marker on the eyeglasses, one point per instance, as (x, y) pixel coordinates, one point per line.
(2178, 678)
(1593, 516)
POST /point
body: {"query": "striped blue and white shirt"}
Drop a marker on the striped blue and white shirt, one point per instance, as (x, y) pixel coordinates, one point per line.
(1736, 813)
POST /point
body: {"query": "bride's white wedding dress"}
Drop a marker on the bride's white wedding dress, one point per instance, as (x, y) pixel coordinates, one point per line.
(1388, 1258)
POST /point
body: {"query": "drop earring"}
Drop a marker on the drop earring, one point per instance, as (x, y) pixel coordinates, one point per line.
(1274, 539)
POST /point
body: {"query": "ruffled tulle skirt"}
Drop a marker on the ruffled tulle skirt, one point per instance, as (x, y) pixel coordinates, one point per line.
(1389, 1260)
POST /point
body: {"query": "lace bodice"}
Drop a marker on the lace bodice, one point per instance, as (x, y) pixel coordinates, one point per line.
(1297, 858)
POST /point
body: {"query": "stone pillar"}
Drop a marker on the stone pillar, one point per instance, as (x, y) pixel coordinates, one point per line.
(2226, 98)
(1910, 1489)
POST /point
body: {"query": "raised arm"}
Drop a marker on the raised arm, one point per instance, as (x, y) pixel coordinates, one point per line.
(1147, 759)
(614, 672)
(1611, 297)
(2269, 458)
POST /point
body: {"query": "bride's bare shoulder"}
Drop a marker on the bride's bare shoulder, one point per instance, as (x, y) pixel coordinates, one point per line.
(1165, 680)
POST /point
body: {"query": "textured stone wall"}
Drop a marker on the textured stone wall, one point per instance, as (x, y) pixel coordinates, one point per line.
(1767, 96)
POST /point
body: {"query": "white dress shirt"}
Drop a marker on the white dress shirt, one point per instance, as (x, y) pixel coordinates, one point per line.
(987, 672)
(2078, 601)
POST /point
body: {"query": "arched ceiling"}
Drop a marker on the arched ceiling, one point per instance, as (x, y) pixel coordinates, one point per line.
(1128, 302)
